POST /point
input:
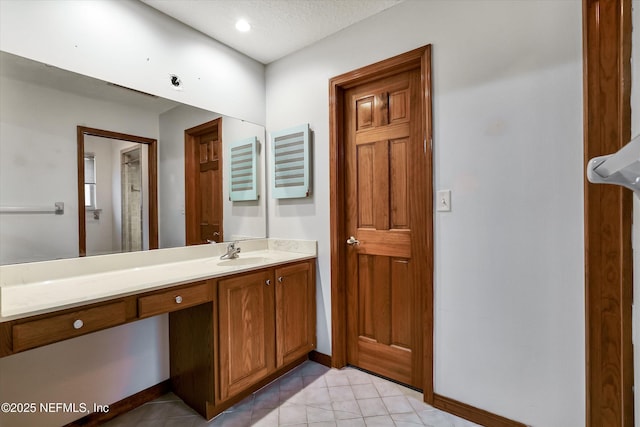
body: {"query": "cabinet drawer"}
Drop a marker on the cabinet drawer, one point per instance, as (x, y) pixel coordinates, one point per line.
(56, 328)
(173, 299)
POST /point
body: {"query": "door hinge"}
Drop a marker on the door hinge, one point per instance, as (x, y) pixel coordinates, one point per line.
(424, 144)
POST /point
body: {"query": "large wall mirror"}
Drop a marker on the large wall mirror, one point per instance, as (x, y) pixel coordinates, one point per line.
(42, 111)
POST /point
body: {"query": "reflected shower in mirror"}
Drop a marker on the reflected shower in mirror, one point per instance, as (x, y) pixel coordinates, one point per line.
(41, 108)
(131, 194)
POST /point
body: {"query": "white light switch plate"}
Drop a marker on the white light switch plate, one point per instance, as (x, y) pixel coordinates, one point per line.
(443, 201)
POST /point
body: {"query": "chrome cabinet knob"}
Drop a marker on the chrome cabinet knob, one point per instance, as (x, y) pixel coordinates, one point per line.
(268, 282)
(178, 299)
(280, 279)
(353, 241)
(78, 324)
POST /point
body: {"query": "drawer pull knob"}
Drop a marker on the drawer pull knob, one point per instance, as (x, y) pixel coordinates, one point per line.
(280, 279)
(178, 299)
(268, 282)
(78, 324)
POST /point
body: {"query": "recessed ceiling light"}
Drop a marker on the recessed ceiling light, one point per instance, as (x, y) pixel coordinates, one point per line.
(242, 25)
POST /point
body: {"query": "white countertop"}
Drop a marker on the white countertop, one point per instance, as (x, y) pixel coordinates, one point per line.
(41, 287)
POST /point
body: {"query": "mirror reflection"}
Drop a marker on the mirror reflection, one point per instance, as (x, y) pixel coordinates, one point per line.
(131, 195)
(117, 197)
(40, 109)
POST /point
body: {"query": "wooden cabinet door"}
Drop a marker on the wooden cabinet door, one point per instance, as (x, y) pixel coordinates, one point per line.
(295, 312)
(247, 345)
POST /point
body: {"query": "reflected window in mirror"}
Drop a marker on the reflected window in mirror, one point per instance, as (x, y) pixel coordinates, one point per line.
(90, 181)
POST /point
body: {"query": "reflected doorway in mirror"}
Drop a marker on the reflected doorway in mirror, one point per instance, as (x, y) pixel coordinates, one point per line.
(203, 183)
(115, 155)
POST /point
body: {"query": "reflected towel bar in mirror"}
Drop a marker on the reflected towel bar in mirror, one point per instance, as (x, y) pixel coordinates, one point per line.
(57, 209)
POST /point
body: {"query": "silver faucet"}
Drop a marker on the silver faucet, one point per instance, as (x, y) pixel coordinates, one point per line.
(232, 251)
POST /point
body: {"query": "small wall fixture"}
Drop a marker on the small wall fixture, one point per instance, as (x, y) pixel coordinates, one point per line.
(291, 162)
(620, 168)
(175, 81)
(243, 182)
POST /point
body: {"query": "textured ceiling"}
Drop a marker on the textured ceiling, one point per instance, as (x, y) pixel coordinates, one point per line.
(278, 27)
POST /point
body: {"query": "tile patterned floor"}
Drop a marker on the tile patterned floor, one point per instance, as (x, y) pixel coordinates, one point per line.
(310, 395)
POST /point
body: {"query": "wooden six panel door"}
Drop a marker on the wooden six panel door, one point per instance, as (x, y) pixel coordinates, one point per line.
(385, 162)
(210, 148)
(203, 181)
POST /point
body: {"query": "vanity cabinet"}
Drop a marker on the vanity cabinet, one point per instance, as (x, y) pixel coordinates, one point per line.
(267, 322)
(228, 336)
(261, 324)
(246, 331)
(295, 312)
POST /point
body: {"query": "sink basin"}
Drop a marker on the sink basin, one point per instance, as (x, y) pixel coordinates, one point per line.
(243, 261)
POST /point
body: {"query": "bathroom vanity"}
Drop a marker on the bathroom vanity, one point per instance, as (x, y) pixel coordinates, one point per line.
(234, 324)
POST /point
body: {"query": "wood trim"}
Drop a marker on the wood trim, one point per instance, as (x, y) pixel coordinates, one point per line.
(427, 295)
(153, 195)
(152, 144)
(82, 226)
(116, 135)
(608, 215)
(122, 406)
(321, 358)
(471, 413)
(417, 58)
(337, 225)
(191, 163)
(6, 339)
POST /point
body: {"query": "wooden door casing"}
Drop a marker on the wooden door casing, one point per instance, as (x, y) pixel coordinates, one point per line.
(421, 243)
(607, 39)
(384, 159)
(246, 331)
(203, 183)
